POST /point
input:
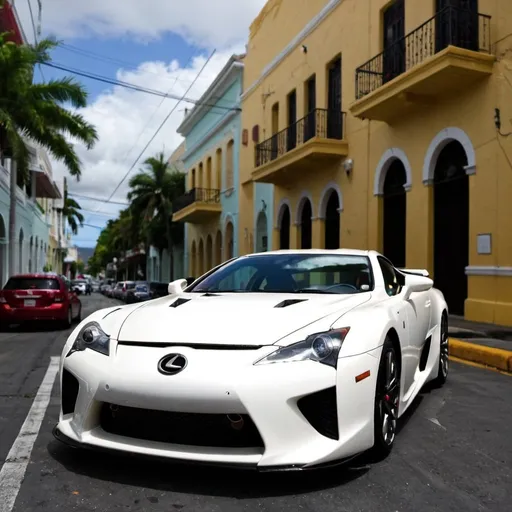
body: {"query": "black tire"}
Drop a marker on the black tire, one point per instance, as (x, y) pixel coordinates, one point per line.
(387, 399)
(68, 322)
(442, 376)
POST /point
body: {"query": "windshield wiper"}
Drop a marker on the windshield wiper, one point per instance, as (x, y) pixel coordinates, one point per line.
(314, 290)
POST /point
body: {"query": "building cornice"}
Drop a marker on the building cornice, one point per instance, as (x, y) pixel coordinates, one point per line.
(306, 31)
(229, 74)
(211, 133)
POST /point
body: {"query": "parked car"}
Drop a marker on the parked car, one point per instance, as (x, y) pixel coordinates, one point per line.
(139, 293)
(321, 352)
(35, 297)
(80, 286)
(117, 290)
(157, 289)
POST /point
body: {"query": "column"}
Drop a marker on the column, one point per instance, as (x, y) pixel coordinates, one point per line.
(318, 233)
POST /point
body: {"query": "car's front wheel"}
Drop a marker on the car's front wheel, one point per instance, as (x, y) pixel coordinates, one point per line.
(442, 374)
(387, 399)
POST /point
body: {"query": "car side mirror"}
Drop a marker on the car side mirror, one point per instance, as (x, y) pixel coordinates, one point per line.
(190, 280)
(177, 286)
(415, 284)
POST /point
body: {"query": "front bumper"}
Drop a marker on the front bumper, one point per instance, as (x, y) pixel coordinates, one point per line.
(296, 415)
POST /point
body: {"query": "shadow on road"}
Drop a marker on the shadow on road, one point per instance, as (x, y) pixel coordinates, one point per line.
(202, 480)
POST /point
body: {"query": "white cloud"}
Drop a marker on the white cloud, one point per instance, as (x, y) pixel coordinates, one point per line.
(205, 23)
(126, 120)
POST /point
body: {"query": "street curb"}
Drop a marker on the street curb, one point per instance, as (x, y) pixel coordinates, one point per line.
(494, 357)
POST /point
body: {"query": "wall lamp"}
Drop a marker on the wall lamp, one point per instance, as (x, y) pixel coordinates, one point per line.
(348, 165)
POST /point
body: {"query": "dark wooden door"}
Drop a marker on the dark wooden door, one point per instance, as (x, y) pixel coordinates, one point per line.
(334, 115)
(393, 58)
(457, 24)
(310, 121)
(291, 137)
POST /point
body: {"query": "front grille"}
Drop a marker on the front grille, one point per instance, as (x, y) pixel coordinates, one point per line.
(69, 392)
(193, 429)
(321, 411)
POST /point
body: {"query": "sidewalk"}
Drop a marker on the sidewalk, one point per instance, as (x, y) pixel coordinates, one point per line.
(486, 344)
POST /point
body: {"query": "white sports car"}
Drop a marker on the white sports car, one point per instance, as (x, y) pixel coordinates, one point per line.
(275, 361)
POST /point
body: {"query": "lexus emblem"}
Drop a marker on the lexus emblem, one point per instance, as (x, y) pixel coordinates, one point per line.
(172, 364)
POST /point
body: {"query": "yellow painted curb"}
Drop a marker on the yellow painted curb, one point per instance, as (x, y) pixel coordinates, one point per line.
(488, 356)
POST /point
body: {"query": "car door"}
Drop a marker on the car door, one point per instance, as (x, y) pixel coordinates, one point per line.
(408, 322)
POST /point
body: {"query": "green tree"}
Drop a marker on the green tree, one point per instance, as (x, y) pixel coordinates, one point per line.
(152, 192)
(71, 213)
(37, 112)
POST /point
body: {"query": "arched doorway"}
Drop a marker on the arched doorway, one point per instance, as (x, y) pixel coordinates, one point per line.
(3, 248)
(306, 214)
(229, 240)
(284, 228)
(262, 233)
(193, 260)
(218, 248)
(394, 213)
(20, 252)
(332, 221)
(209, 253)
(451, 225)
(200, 258)
(31, 254)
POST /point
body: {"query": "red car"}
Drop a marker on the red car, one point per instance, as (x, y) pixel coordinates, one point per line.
(33, 297)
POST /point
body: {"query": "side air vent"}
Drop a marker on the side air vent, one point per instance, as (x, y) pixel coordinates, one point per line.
(179, 302)
(289, 302)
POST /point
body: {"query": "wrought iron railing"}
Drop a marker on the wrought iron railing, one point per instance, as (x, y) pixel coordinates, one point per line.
(200, 195)
(322, 123)
(451, 26)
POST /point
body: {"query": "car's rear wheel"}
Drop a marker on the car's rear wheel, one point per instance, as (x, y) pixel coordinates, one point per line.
(387, 399)
(442, 375)
(68, 322)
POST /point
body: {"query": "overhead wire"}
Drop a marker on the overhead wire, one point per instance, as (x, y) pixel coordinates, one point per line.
(162, 124)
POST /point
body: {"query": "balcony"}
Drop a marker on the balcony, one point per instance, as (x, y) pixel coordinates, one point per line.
(445, 55)
(305, 146)
(197, 206)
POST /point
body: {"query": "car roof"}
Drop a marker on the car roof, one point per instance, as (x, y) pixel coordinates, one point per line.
(346, 252)
(36, 275)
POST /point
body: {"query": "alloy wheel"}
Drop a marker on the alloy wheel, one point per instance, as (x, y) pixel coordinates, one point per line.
(443, 356)
(390, 397)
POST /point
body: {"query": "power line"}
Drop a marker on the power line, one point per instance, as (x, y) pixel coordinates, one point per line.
(128, 85)
(162, 124)
(106, 58)
(152, 116)
(99, 199)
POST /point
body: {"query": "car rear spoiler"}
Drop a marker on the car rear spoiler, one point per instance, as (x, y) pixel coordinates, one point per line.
(415, 271)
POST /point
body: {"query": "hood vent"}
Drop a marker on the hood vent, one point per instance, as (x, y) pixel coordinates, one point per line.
(110, 312)
(210, 294)
(289, 302)
(179, 302)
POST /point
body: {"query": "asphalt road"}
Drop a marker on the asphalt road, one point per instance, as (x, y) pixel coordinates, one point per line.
(453, 453)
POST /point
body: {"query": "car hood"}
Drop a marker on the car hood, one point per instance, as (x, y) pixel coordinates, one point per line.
(230, 319)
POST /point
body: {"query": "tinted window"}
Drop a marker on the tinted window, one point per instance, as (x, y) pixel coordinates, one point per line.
(141, 288)
(17, 283)
(391, 282)
(291, 273)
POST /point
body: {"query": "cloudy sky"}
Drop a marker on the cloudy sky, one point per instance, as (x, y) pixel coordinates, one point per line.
(156, 44)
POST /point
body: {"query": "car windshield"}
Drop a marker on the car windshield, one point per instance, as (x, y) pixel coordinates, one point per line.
(25, 283)
(291, 273)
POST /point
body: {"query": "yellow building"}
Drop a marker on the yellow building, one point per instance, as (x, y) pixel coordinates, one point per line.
(384, 125)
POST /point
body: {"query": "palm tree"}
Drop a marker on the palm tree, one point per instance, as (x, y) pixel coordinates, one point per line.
(71, 214)
(36, 111)
(152, 192)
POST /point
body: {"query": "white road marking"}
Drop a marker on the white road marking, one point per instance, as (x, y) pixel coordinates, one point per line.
(12, 472)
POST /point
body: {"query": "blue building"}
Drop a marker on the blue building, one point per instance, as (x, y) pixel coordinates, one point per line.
(212, 132)
(34, 215)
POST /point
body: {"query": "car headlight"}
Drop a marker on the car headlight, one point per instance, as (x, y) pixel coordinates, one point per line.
(322, 347)
(91, 336)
